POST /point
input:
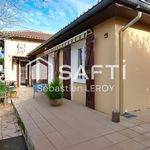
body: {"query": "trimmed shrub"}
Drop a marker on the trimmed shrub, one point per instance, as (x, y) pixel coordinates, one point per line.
(54, 90)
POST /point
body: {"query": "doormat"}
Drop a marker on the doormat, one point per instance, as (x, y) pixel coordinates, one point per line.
(16, 143)
(128, 115)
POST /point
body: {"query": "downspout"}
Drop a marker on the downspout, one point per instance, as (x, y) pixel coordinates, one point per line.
(132, 22)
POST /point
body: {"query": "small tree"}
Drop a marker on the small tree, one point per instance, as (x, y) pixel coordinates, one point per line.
(8, 12)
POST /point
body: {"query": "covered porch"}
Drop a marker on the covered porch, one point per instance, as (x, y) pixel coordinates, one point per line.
(19, 64)
(75, 127)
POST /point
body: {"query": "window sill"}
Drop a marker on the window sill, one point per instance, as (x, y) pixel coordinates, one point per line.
(80, 81)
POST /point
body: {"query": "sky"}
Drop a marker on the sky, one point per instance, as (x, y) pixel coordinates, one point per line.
(49, 16)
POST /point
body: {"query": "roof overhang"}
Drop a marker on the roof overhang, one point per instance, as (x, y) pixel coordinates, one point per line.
(22, 58)
(99, 13)
(22, 39)
(25, 39)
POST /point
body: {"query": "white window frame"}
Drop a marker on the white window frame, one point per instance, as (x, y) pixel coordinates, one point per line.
(81, 80)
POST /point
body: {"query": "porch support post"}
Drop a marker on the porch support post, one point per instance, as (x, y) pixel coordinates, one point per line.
(56, 64)
(17, 73)
(37, 71)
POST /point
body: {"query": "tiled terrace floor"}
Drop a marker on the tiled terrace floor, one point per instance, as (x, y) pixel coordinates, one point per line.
(75, 127)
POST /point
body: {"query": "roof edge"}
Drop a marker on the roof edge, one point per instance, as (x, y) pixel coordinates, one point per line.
(96, 8)
(91, 11)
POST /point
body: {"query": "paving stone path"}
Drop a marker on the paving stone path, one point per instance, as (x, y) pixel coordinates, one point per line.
(8, 123)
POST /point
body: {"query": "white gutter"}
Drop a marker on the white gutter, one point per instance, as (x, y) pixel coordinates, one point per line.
(132, 22)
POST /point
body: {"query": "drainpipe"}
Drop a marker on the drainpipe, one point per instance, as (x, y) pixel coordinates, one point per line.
(132, 22)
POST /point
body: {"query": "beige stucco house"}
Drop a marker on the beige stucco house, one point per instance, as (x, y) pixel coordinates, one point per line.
(16, 45)
(113, 32)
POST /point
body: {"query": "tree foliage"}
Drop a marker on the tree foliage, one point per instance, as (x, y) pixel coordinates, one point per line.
(8, 13)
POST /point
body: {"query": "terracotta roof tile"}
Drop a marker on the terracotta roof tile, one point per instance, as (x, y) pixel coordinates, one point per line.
(26, 34)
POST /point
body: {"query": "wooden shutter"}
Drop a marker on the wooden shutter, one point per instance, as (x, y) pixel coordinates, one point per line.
(90, 94)
(47, 67)
(67, 61)
(56, 64)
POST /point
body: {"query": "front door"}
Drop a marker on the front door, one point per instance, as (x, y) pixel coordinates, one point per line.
(23, 73)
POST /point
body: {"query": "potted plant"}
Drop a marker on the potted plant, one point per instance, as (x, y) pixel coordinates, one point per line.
(13, 91)
(54, 93)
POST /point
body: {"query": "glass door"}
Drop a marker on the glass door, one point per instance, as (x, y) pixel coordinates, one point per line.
(23, 73)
